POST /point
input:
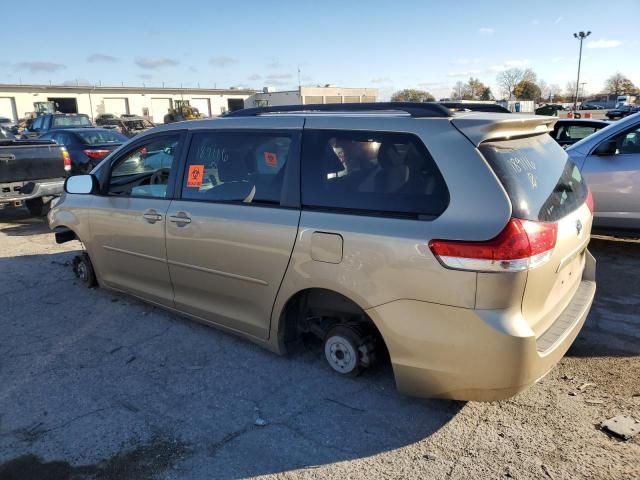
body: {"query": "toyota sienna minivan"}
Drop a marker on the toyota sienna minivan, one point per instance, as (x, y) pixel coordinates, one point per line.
(456, 243)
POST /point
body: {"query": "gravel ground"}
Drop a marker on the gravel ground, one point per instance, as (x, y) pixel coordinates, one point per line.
(95, 385)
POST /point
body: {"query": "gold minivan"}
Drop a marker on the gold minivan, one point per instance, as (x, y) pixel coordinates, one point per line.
(456, 242)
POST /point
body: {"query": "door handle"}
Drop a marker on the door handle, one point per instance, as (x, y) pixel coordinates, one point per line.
(7, 158)
(152, 216)
(180, 218)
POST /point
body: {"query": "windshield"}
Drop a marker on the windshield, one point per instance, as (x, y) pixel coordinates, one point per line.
(542, 182)
(96, 137)
(71, 121)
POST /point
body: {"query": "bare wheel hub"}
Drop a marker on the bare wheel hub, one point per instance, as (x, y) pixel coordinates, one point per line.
(341, 354)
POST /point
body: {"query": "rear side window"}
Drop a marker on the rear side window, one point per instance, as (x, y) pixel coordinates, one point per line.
(71, 121)
(542, 182)
(243, 167)
(371, 173)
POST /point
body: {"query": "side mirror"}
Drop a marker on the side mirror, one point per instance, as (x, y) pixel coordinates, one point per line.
(609, 147)
(81, 185)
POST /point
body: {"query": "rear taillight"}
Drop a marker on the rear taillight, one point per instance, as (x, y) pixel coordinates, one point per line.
(66, 159)
(589, 200)
(521, 245)
(96, 154)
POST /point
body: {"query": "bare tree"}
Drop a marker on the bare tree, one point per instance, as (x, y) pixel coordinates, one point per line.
(508, 79)
(530, 76)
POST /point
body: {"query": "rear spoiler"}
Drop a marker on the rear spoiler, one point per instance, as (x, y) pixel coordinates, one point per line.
(483, 128)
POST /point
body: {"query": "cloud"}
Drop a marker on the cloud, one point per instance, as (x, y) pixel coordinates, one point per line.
(254, 77)
(467, 61)
(558, 20)
(467, 73)
(509, 64)
(279, 76)
(222, 61)
(145, 76)
(101, 57)
(36, 67)
(385, 80)
(603, 43)
(151, 63)
(486, 31)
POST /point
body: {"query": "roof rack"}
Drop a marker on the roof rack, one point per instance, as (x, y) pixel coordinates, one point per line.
(418, 110)
(475, 107)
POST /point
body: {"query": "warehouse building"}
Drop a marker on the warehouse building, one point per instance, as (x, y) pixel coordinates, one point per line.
(17, 101)
(309, 95)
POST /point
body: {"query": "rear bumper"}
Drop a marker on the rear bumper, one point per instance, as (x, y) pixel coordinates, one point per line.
(464, 354)
(34, 189)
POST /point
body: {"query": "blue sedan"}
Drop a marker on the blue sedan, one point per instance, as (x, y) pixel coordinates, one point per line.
(87, 146)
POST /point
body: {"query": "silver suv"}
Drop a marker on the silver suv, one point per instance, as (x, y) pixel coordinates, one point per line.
(457, 243)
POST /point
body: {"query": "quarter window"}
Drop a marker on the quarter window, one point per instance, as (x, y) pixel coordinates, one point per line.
(243, 167)
(144, 172)
(371, 173)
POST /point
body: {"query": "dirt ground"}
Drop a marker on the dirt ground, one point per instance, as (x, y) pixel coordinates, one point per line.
(96, 385)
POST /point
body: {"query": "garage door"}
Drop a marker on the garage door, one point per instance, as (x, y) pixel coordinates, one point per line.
(159, 107)
(203, 105)
(117, 106)
(8, 108)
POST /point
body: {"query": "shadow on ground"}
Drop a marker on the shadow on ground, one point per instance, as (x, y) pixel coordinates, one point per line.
(19, 222)
(90, 377)
(613, 325)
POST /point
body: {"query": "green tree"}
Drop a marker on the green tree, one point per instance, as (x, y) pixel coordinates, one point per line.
(486, 94)
(412, 95)
(618, 84)
(526, 90)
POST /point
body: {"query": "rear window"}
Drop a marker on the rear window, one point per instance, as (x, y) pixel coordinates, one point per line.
(97, 137)
(71, 121)
(371, 173)
(542, 182)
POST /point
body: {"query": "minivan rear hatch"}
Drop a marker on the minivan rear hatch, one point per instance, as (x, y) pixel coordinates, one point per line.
(545, 186)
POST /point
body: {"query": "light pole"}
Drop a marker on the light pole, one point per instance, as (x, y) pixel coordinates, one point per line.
(580, 36)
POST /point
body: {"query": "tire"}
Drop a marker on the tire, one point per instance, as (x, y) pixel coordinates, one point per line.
(347, 351)
(83, 269)
(37, 207)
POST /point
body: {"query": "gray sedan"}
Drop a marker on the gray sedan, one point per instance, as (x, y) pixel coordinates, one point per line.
(610, 161)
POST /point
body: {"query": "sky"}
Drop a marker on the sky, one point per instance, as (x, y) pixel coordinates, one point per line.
(389, 45)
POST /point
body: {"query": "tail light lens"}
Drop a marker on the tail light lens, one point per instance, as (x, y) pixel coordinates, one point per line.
(589, 200)
(96, 154)
(521, 245)
(66, 159)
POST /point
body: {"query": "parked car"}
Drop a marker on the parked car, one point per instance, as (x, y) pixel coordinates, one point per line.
(129, 126)
(550, 110)
(569, 131)
(610, 161)
(87, 147)
(32, 173)
(9, 125)
(103, 118)
(591, 106)
(622, 111)
(474, 275)
(43, 123)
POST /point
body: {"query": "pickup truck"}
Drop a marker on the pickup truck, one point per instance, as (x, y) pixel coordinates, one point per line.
(32, 173)
(52, 121)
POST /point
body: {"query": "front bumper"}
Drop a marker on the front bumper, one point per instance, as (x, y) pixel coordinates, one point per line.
(450, 352)
(31, 190)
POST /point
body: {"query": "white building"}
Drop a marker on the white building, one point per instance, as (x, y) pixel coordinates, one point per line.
(16, 101)
(309, 95)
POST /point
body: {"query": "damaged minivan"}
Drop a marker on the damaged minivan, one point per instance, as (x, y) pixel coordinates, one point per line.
(454, 243)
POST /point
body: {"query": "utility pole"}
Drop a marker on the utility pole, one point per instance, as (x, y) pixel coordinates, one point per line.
(582, 84)
(580, 36)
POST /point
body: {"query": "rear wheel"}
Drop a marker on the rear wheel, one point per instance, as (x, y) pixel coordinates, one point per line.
(83, 269)
(347, 350)
(37, 207)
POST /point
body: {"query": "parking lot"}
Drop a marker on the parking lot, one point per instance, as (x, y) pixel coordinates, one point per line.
(99, 385)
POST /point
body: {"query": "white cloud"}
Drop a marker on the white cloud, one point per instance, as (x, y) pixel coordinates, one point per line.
(466, 73)
(603, 43)
(222, 61)
(486, 31)
(153, 63)
(509, 64)
(467, 61)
